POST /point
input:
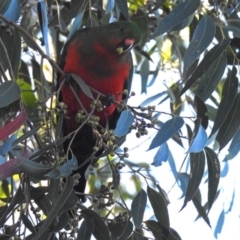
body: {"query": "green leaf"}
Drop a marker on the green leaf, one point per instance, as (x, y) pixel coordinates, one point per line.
(181, 12)
(67, 14)
(201, 210)
(33, 169)
(213, 175)
(183, 24)
(144, 73)
(120, 231)
(4, 4)
(211, 78)
(86, 229)
(8, 89)
(202, 37)
(230, 125)
(197, 164)
(44, 204)
(201, 111)
(62, 222)
(64, 170)
(168, 129)
(138, 207)
(100, 230)
(157, 230)
(128, 228)
(85, 88)
(27, 223)
(159, 207)
(55, 209)
(70, 203)
(206, 63)
(13, 53)
(228, 95)
(123, 7)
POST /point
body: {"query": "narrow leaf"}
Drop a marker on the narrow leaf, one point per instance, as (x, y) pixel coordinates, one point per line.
(64, 170)
(181, 12)
(86, 229)
(161, 155)
(183, 24)
(167, 130)
(100, 230)
(138, 207)
(199, 141)
(201, 210)
(33, 169)
(234, 147)
(228, 94)
(8, 169)
(213, 175)
(202, 37)
(211, 78)
(124, 123)
(219, 226)
(4, 6)
(128, 229)
(14, 10)
(197, 161)
(159, 207)
(120, 230)
(153, 98)
(144, 73)
(206, 63)
(85, 88)
(108, 5)
(7, 146)
(123, 7)
(157, 230)
(201, 111)
(43, 20)
(231, 124)
(55, 209)
(7, 89)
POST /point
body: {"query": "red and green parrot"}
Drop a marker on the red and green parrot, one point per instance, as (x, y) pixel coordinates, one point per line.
(101, 57)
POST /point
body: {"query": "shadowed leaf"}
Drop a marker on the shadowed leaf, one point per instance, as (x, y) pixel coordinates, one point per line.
(100, 230)
(231, 124)
(213, 175)
(211, 78)
(86, 229)
(206, 63)
(202, 37)
(228, 94)
(159, 207)
(138, 207)
(197, 161)
(201, 111)
(181, 12)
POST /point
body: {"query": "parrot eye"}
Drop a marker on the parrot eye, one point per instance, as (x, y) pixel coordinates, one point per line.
(125, 45)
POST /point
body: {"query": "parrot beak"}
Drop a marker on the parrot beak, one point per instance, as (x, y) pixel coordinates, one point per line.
(125, 45)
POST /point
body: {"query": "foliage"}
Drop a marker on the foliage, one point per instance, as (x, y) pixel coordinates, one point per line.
(34, 197)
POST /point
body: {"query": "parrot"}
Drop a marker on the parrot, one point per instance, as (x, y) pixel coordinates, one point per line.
(101, 57)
